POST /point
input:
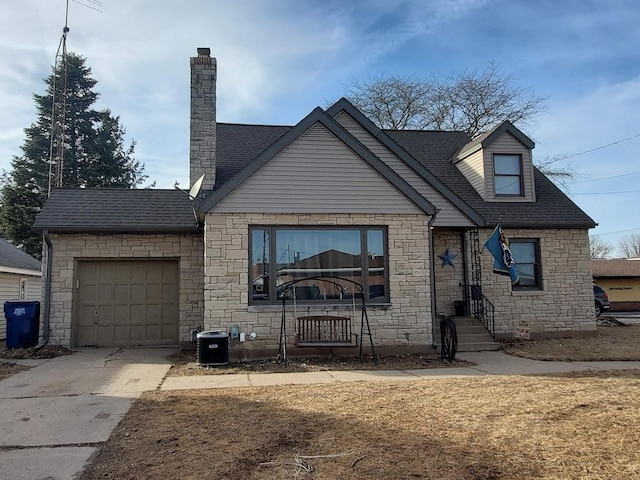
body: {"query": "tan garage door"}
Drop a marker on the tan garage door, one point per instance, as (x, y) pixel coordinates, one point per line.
(133, 302)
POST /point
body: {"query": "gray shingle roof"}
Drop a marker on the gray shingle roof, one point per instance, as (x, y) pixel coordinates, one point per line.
(552, 208)
(12, 257)
(117, 211)
(238, 144)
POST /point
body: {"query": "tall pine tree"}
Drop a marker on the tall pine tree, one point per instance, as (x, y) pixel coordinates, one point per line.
(93, 152)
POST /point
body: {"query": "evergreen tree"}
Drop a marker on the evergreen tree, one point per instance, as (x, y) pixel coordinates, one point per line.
(88, 144)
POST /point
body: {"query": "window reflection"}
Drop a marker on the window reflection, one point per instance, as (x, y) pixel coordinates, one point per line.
(299, 254)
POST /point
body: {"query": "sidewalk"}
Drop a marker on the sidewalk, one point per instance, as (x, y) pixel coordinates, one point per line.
(486, 363)
(54, 417)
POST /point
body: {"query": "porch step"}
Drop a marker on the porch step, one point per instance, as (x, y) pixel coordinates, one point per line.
(472, 336)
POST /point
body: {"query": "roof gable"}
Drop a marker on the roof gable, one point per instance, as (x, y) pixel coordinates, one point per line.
(487, 138)
(343, 105)
(317, 116)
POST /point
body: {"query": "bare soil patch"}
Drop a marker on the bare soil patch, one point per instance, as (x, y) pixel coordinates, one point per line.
(612, 343)
(48, 351)
(184, 364)
(8, 369)
(503, 427)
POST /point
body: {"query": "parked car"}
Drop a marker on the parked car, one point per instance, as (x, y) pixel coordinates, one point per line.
(601, 299)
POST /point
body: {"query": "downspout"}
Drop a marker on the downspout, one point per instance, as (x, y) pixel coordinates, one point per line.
(432, 276)
(47, 292)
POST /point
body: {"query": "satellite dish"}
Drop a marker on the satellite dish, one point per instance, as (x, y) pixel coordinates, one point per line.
(195, 189)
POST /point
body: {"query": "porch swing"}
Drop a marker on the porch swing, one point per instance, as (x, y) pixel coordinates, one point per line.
(323, 329)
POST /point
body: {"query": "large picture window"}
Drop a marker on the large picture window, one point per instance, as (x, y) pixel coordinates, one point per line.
(526, 253)
(508, 175)
(283, 254)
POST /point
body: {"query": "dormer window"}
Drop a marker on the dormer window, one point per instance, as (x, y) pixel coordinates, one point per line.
(508, 175)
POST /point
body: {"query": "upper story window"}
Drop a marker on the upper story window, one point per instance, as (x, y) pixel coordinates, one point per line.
(508, 175)
(347, 255)
(526, 253)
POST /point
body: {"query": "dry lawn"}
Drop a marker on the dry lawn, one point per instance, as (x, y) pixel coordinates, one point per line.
(581, 425)
(611, 343)
(585, 426)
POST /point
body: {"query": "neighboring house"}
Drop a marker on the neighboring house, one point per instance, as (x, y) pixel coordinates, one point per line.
(332, 194)
(620, 278)
(20, 278)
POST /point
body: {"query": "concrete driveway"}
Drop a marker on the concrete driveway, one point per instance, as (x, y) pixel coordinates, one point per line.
(55, 416)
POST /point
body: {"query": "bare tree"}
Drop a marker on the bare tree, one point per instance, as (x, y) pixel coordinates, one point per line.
(560, 174)
(472, 102)
(630, 245)
(598, 248)
(397, 103)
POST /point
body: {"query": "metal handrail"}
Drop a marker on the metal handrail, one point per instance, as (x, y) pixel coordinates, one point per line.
(482, 309)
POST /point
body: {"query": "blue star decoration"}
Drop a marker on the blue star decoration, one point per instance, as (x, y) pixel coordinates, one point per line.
(448, 258)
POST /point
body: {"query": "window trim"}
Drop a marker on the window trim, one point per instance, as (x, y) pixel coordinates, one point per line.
(363, 229)
(537, 266)
(520, 176)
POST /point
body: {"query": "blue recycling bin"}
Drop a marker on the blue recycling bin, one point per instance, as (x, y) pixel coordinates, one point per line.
(23, 323)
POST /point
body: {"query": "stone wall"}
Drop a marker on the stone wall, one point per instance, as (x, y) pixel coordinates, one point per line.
(565, 304)
(67, 249)
(405, 322)
(202, 145)
(449, 279)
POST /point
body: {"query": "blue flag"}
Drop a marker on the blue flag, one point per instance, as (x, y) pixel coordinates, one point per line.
(503, 263)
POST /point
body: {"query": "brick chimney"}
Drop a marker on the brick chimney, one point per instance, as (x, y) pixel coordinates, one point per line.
(202, 145)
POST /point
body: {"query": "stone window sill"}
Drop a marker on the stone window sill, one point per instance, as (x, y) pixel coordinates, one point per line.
(336, 307)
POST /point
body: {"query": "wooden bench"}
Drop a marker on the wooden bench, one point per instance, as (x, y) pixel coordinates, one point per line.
(324, 331)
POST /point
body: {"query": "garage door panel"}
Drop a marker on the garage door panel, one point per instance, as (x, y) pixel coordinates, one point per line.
(169, 294)
(106, 293)
(121, 293)
(153, 332)
(122, 314)
(138, 292)
(137, 302)
(105, 273)
(154, 273)
(153, 314)
(137, 313)
(121, 333)
(105, 335)
(168, 331)
(105, 314)
(136, 333)
(154, 293)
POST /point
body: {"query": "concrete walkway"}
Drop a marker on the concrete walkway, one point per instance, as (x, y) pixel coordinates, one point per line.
(56, 415)
(486, 363)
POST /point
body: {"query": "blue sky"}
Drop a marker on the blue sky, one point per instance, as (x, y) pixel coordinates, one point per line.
(277, 60)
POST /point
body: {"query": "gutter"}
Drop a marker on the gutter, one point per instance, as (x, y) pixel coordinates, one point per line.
(47, 292)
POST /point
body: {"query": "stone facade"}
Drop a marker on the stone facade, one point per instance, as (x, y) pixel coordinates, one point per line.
(449, 280)
(565, 303)
(404, 323)
(68, 249)
(202, 148)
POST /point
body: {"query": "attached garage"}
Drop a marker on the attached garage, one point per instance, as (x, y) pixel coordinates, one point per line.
(127, 302)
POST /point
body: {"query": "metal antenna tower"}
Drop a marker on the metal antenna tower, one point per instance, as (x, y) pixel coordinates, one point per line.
(59, 110)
